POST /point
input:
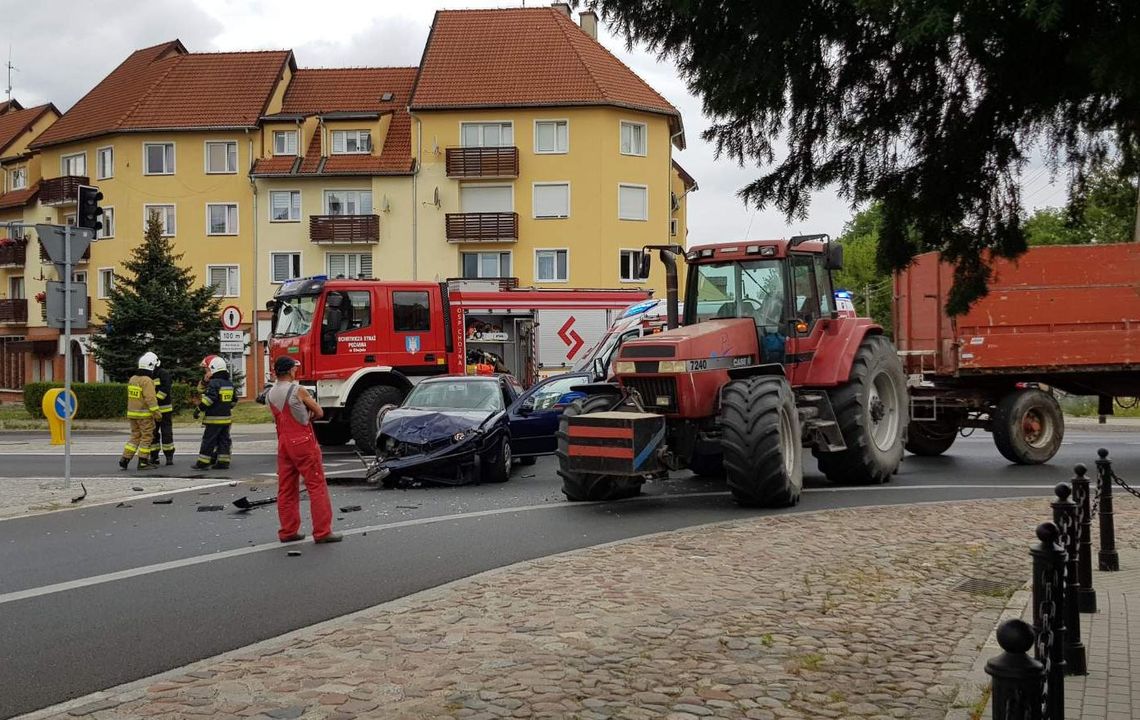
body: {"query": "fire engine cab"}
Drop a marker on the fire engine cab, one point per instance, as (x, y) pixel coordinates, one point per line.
(363, 344)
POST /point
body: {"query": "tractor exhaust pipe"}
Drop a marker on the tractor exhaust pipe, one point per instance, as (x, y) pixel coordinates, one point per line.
(668, 255)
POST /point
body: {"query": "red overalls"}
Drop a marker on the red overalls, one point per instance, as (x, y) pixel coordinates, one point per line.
(299, 454)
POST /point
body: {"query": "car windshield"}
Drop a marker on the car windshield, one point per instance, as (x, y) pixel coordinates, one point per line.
(294, 315)
(456, 395)
(752, 289)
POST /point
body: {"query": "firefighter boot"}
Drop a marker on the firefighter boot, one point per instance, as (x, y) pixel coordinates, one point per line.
(146, 464)
(200, 466)
(124, 463)
(169, 458)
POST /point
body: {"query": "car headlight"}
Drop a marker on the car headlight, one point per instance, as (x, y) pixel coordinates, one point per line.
(462, 435)
(625, 368)
(672, 366)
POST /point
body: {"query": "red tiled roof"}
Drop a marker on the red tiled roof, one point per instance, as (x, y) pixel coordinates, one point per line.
(19, 198)
(12, 104)
(17, 122)
(523, 58)
(167, 88)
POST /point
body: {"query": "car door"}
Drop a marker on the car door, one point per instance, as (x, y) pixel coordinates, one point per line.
(534, 416)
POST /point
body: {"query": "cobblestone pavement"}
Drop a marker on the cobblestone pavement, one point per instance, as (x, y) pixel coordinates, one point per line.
(839, 614)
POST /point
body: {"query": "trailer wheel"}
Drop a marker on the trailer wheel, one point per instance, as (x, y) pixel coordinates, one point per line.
(873, 413)
(930, 439)
(760, 434)
(587, 486)
(364, 411)
(332, 433)
(710, 465)
(1028, 427)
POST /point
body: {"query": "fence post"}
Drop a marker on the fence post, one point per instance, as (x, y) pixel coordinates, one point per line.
(1049, 617)
(1107, 558)
(1017, 678)
(1065, 518)
(1086, 595)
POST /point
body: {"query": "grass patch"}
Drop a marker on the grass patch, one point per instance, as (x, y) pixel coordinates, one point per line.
(999, 593)
(979, 707)
(245, 413)
(766, 640)
(810, 661)
(15, 417)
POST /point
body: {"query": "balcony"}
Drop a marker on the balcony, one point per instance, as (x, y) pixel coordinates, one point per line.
(61, 190)
(344, 229)
(483, 162)
(13, 256)
(14, 311)
(482, 227)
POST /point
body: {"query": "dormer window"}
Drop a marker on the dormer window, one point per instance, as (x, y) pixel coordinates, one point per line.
(19, 178)
(351, 142)
(285, 142)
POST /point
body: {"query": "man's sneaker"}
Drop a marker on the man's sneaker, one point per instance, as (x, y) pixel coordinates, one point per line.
(330, 538)
(124, 463)
(292, 538)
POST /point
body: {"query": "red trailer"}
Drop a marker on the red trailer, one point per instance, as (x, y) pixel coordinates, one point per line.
(1064, 317)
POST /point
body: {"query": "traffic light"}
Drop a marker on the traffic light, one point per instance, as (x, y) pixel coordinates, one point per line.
(89, 213)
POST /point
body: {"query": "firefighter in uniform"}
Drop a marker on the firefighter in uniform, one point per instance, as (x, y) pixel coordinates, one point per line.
(164, 430)
(201, 390)
(142, 412)
(216, 404)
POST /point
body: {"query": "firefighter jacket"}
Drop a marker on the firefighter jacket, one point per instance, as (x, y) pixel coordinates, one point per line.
(164, 391)
(218, 400)
(141, 400)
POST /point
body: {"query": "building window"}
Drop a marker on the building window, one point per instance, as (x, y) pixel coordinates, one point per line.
(108, 220)
(632, 138)
(551, 136)
(411, 311)
(285, 142)
(16, 287)
(552, 200)
(351, 142)
(225, 279)
(486, 264)
(19, 178)
(74, 165)
(551, 266)
(106, 282)
(166, 216)
(629, 266)
(221, 157)
(487, 134)
(104, 163)
(633, 202)
(673, 226)
(285, 206)
(284, 266)
(222, 219)
(79, 277)
(158, 158)
(348, 202)
(69, 219)
(477, 198)
(349, 265)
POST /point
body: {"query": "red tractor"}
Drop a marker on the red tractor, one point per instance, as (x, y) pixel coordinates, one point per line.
(762, 366)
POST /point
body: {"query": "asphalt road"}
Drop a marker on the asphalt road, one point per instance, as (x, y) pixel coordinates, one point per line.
(94, 597)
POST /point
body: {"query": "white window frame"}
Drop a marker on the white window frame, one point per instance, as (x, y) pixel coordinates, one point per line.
(634, 185)
(292, 253)
(173, 158)
(488, 185)
(509, 123)
(634, 267)
(478, 263)
(359, 270)
(108, 219)
(206, 157)
(325, 200)
(644, 138)
(555, 151)
(23, 174)
(110, 150)
(296, 143)
(237, 219)
(564, 280)
(226, 290)
(103, 290)
(346, 133)
(63, 161)
(549, 183)
(300, 200)
(173, 213)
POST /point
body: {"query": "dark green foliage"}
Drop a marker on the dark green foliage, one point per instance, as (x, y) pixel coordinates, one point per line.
(157, 305)
(929, 107)
(96, 400)
(1102, 210)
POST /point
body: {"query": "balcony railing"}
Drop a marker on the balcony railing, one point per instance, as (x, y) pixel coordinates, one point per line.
(14, 311)
(13, 255)
(482, 227)
(61, 190)
(482, 162)
(344, 229)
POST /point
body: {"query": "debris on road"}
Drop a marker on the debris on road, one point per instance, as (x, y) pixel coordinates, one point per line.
(210, 508)
(136, 488)
(349, 508)
(162, 501)
(294, 553)
(233, 483)
(124, 505)
(407, 507)
(82, 495)
(244, 503)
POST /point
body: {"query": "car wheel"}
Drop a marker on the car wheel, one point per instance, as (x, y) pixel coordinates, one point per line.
(497, 465)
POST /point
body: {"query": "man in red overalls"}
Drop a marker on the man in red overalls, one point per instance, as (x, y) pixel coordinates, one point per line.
(298, 454)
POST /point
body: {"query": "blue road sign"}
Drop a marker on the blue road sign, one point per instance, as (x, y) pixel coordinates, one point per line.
(65, 405)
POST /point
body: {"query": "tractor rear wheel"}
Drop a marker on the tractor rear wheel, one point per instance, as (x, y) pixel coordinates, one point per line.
(588, 486)
(365, 410)
(1028, 427)
(930, 439)
(873, 413)
(760, 434)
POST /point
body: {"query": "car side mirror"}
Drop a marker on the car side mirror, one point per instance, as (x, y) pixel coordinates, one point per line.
(527, 406)
(646, 261)
(834, 259)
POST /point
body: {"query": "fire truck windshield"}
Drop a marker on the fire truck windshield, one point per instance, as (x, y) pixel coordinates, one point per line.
(752, 289)
(293, 316)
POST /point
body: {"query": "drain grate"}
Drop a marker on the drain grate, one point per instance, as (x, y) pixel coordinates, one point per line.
(986, 586)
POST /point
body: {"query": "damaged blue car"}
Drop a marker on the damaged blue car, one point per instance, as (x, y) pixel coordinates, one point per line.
(455, 430)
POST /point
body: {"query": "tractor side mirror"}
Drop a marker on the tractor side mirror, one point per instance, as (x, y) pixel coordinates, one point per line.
(834, 260)
(646, 261)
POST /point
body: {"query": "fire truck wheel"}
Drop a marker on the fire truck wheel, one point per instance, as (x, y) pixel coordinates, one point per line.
(710, 465)
(332, 433)
(930, 439)
(582, 486)
(760, 434)
(497, 465)
(873, 412)
(1028, 426)
(364, 411)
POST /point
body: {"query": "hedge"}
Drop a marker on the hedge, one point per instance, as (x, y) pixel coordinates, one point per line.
(96, 400)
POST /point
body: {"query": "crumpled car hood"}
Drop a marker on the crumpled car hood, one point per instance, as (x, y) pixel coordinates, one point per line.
(421, 426)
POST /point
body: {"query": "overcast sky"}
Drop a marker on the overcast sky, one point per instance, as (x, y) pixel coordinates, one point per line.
(62, 48)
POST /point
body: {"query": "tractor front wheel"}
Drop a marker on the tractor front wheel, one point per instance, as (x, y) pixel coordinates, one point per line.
(760, 434)
(588, 486)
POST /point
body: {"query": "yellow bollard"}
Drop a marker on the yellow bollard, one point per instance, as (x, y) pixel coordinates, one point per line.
(55, 410)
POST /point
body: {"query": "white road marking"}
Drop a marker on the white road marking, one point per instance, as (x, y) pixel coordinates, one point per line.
(238, 552)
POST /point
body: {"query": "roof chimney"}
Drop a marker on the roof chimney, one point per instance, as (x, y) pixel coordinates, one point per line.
(561, 7)
(588, 19)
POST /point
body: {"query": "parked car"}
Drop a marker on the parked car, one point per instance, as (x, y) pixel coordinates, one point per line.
(459, 429)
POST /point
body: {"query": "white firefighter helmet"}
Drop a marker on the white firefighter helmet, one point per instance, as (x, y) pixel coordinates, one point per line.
(148, 361)
(217, 364)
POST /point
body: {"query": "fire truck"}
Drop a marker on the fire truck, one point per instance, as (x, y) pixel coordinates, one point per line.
(362, 344)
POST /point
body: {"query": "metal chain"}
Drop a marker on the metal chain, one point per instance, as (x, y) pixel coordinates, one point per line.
(1095, 499)
(1119, 481)
(1045, 639)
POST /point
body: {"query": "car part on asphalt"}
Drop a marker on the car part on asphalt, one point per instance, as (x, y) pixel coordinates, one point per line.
(244, 503)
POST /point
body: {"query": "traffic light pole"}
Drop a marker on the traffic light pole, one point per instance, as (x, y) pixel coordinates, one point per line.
(67, 355)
